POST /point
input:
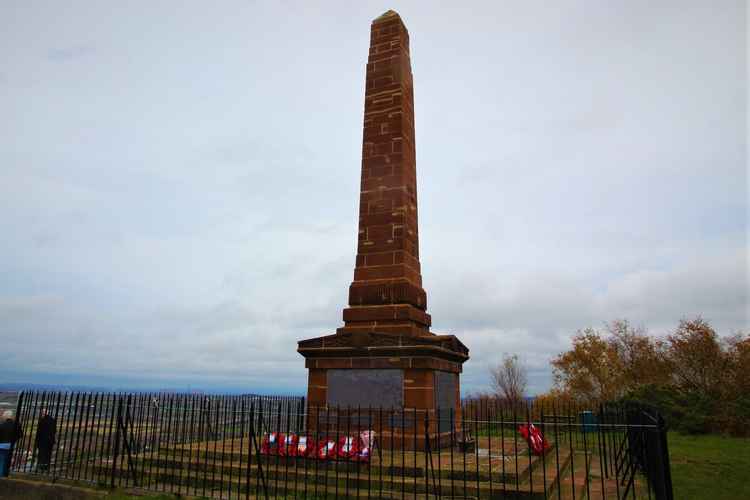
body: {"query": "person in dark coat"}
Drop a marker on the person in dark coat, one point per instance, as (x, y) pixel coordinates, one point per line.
(8, 429)
(45, 440)
(9, 434)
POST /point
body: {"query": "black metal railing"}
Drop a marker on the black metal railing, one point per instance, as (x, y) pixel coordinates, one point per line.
(259, 446)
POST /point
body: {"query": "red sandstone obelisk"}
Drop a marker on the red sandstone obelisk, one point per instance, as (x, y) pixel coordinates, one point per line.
(386, 294)
(385, 354)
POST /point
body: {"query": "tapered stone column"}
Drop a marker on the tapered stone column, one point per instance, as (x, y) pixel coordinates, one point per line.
(385, 353)
(386, 294)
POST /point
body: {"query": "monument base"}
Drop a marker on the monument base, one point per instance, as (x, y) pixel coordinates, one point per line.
(405, 388)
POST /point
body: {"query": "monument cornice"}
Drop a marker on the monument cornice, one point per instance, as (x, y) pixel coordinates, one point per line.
(382, 344)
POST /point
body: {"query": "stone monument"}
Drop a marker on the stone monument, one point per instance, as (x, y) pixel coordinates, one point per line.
(385, 354)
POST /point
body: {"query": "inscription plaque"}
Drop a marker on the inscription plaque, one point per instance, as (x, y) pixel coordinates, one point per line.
(445, 398)
(366, 388)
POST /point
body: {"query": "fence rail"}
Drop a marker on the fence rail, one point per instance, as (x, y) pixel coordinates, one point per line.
(260, 446)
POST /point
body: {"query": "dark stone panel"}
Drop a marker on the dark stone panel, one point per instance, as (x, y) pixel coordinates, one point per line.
(366, 388)
(445, 397)
(374, 418)
(403, 420)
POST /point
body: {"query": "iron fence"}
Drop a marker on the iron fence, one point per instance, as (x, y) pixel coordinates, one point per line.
(260, 446)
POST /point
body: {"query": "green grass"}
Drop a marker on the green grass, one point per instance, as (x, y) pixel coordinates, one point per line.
(709, 467)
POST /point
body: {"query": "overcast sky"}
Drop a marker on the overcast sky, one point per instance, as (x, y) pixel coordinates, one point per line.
(179, 180)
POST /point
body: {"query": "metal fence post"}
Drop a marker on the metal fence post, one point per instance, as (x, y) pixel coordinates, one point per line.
(16, 432)
(664, 455)
(116, 445)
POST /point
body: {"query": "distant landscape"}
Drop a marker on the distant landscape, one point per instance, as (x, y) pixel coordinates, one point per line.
(8, 400)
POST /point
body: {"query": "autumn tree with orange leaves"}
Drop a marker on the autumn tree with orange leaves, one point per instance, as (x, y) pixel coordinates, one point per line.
(697, 378)
(591, 371)
(603, 366)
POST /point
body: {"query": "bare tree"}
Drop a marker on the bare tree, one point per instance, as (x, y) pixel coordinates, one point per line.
(509, 378)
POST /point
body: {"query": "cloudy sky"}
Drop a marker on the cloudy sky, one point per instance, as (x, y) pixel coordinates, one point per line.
(179, 180)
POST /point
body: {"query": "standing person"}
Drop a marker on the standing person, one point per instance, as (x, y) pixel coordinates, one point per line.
(8, 428)
(9, 434)
(45, 440)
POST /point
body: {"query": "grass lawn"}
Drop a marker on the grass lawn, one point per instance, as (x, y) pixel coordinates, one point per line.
(709, 467)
